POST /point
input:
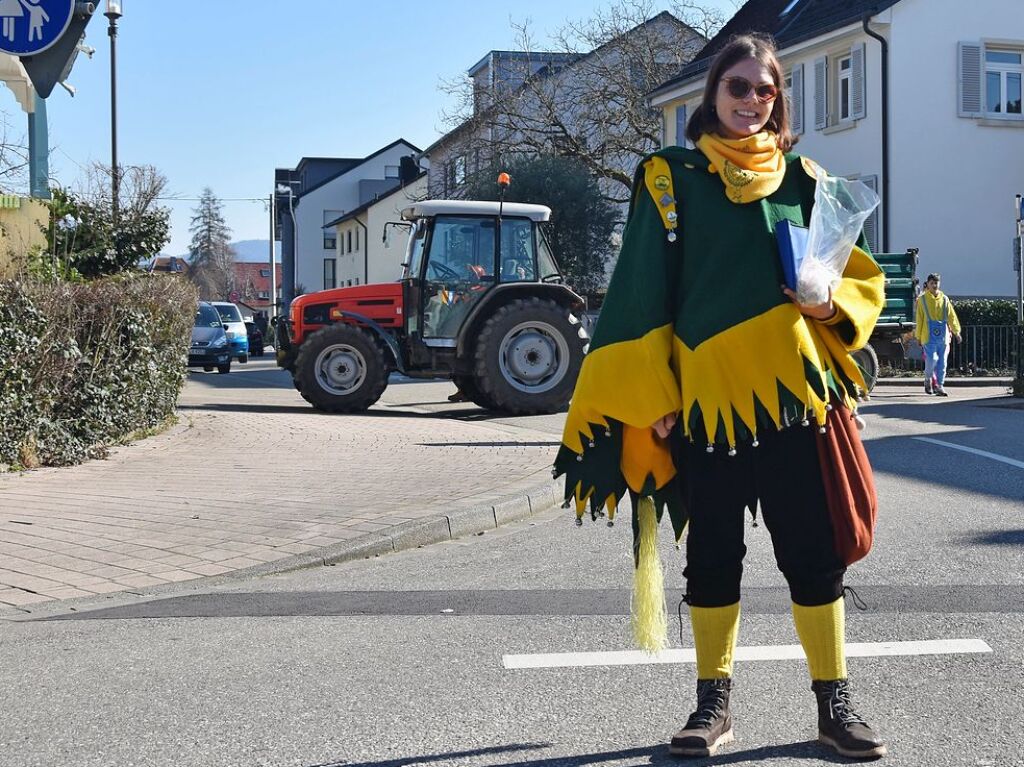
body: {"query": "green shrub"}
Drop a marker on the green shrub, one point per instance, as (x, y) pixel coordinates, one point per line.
(986, 311)
(83, 365)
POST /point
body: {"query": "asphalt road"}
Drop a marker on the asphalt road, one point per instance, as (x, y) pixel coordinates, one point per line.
(399, 660)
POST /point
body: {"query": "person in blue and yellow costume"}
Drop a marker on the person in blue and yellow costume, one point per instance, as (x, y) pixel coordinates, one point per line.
(937, 324)
(706, 383)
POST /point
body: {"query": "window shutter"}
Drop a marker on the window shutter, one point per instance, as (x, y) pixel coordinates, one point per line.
(796, 120)
(970, 74)
(820, 93)
(681, 125)
(858, 105)
(871, 224)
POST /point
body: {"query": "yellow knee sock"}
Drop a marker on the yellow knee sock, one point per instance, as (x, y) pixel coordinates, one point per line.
(821, 630)
(714, 638)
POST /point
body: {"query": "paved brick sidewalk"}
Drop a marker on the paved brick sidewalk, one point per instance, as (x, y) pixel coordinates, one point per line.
(252, 474)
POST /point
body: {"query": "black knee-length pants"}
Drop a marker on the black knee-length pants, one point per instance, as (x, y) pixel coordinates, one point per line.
(783, 473)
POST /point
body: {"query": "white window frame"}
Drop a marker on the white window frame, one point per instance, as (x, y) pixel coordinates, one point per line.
(829, 80)
(794, 92)
(682, 117)
(844, 77)
(1003, 70)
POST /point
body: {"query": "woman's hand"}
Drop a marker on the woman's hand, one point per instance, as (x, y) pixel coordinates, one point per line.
(822, 312)
(663, 426)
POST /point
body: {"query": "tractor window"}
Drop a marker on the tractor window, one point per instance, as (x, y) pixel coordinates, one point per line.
(416, 242)
(461, 249)
(546, 262)
(517, 250)
(460, 268)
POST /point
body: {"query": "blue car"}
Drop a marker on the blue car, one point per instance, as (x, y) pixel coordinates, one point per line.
(234, 326)
(209, 348)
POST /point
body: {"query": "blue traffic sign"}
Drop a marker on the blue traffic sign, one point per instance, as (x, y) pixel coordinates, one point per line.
(28, 27)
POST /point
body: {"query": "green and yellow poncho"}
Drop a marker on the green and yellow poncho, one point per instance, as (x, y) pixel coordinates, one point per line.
(695, 323)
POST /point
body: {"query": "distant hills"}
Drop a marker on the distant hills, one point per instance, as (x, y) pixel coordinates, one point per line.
(255, 250)
(250, 250)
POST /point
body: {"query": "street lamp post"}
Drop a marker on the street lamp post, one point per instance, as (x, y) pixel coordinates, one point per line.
(113, 13)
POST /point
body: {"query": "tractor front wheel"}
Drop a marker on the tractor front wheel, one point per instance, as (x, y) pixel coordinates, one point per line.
(528, 356)
(340, 369)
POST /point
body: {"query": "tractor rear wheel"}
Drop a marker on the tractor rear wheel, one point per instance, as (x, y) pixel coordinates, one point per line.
(340, 369)
(467, 385)
(528, 356)
(867, 360)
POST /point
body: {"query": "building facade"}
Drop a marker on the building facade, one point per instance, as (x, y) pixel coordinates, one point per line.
(319, 190)
(555, 107)
(947, 157)
(363, 255)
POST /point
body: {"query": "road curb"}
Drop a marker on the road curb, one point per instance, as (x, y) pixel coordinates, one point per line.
(919, 381)
(407, 535)
(420, 532)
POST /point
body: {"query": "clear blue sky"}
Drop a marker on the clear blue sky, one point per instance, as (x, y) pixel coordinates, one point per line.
(220, 92)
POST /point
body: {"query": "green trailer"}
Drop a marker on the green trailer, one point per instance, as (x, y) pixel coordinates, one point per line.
(886, 344)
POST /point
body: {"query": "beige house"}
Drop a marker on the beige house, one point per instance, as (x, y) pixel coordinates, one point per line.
(361, 257)
(21, 229)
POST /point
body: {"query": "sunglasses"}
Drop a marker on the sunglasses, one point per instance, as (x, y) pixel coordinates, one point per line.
(740, 88)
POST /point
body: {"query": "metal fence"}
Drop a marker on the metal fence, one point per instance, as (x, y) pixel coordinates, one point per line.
(984, 347)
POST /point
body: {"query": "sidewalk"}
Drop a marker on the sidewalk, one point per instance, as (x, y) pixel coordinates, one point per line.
(253, 475)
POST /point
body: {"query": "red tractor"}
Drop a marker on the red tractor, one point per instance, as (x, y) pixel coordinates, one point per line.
(481, 302)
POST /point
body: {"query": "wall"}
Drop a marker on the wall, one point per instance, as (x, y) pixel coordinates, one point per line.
(20, 232)
(341, 194)
(384, 263)
(953, 178)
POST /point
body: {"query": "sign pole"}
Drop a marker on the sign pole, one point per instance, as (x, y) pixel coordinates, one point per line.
(38, 150)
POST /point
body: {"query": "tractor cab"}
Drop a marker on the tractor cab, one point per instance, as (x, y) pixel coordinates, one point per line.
(480, 302)
(456, 258)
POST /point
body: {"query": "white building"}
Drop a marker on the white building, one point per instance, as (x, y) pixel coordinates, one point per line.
(540, 88)
(362, 257)
(948, 159)
(318, 191)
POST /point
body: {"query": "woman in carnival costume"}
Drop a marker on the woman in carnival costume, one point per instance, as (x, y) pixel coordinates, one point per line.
(706, 386)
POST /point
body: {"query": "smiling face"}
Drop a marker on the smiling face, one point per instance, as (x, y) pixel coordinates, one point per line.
(932, 286)
(742, 117)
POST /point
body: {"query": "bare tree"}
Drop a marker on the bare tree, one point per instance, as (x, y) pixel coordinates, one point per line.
(13, 157)
(586, 97)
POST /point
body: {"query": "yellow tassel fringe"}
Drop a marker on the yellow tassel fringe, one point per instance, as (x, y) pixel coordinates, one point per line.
(649, 614)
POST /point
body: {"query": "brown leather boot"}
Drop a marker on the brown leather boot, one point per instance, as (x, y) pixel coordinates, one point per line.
(710, 726)
(840, 726)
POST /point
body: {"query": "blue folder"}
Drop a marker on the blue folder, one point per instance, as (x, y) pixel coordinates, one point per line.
(792, 241)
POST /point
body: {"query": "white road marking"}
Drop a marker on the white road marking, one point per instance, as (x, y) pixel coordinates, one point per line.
(983, 453)
(768, 652)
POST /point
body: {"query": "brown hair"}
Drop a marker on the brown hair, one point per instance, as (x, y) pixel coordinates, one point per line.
(761, 48)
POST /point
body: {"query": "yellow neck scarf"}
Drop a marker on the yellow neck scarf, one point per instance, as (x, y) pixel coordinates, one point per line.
(751, 168)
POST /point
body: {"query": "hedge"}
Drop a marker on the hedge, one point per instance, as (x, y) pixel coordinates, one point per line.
(986, 311)
(85, 365)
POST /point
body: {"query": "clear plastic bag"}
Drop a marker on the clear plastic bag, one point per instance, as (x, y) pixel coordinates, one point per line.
(840, 209)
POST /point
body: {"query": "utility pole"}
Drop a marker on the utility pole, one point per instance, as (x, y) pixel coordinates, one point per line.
(273, 262)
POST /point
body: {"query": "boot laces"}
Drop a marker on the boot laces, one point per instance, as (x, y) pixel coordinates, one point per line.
(840, 707)
(711, 702)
